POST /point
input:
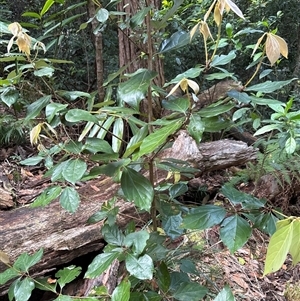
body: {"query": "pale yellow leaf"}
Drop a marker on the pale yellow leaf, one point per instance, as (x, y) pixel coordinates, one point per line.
(51, 128)
(257, 44)
(194, 30)
(24, 42)
(184, 85)
(222, 4)
(39, 44)
(177, 177)
(15, 28)
(209, 11)
(4, 257)
(204, 29)
(217, 14)
(173, 89)
(283, 46)
(35, 133)
(11, 41)
(193, 85)
(272, 49)
(235, 8)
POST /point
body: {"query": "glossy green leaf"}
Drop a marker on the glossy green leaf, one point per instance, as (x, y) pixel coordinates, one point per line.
(212, 111)
(177, 104)
(43, 284)
(73, 95)
(177, 278)
(23, 289)
(176, 41)
(178, 189)
(235, 232)
(279, 246)
(46, 7)
(102, 15)
(76, 115)
(187, 266)
(136, 141)
(74, 170)
(113, 235)
(32, 161)
(137, 188)
(290, 145)
(35, 108)
(219, 75)
(48, 195)
(145, 296)
(101, 263)
(137, 241)
(225, 295)
(269, 86)
(69, 199)
(122, 291)
(141, 267)
(8, 275)
(203, 217)
(31, 14)
(239, 113)
(118, 131)
(46, 71)
(25, 261)
(267, 128)
(163, 277)
(95, 145)
(239, 96)
(223, 59)
(265, 101)
(53, 109)
(196, 127)
(190, 73)
(215, 124)
(295, 245)
(190, 291)
(134, 90)
(9, 96)
(63, 298)
(67, 275)
(158, 137)
(171, 225)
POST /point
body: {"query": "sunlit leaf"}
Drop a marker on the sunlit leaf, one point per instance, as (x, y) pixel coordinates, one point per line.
(74, 170)
(295, 245)
(26, 261)
(23, 289)
(141, 267)
(122, 291)
(69, 199)
(225, 295)
(67, 275)
(176, 41)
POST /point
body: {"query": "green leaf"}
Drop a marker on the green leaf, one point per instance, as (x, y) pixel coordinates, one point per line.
(56, 171)
(177, 278)
(223, 59)
(145, 296)
(136, 141)
(137, 188)
(265, 101)
(177, 105)
(171, 225)
(235, 232)
(102, 15)
(118, 131)
(9, 96)
(44, 285)
(163, 277)
(46, 71)
(141, 268)
(269, 86)
(73, 95)
(178, 189)
(239, 113)
(46, 7)
(69, 199)
(139, 17)
(48, 195)
(215, 124)
(219, 75)
(187, 266)
(203, 217)
(113, 235)
(8, 275)
(122, 291)
(67, 275)
(134, 90)
(290, 145)
(35, 108)
(64, 298)
(137, 241)
(212, 110)
(52, 109)
(279, 247)
(32, 161)
(95, 145)
(239, 96)
(190, 291)
(225, 295)
(196, 127)
(190, 73)
(267, 128)
(24, 262)
(74, 170)
(23, 289)
(31, 14)
(176, 41)
(76, 115)
(295, 245)
(101, 262)
(158, 137)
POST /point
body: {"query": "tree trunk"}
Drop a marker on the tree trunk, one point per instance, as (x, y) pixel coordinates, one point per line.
(64, 236)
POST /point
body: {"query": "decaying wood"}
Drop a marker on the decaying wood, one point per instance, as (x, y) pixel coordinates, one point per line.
(65, 236)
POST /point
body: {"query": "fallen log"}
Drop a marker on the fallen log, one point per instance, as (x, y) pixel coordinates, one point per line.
(64, 236)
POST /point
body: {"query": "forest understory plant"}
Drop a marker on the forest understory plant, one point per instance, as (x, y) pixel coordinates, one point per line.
(102, 148)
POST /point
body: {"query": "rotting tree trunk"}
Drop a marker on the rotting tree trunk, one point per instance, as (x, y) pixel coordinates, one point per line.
(65, 236)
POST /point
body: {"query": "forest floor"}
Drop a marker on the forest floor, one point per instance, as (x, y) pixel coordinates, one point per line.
(242, 271)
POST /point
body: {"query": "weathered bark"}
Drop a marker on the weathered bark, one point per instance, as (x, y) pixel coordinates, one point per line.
(65, 236)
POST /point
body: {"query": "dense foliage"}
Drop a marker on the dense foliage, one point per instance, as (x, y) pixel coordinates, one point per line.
(48, 92)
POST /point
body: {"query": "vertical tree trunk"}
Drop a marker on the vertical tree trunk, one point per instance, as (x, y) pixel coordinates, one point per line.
(98, 49)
